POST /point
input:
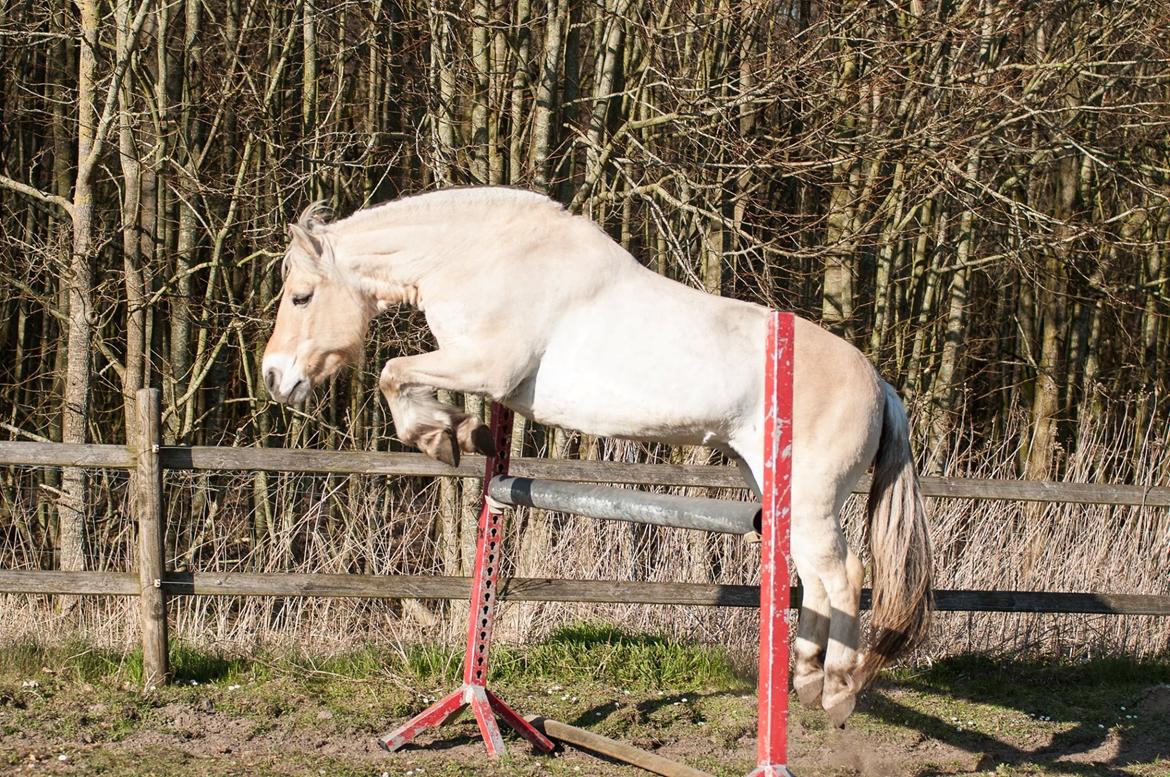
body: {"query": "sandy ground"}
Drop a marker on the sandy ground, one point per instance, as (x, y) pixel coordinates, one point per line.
(329, 726)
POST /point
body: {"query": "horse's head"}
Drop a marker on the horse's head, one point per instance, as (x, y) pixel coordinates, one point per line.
(322, 320)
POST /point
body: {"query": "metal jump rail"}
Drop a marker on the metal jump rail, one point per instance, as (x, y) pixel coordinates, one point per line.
(624, 504)
(772, 520)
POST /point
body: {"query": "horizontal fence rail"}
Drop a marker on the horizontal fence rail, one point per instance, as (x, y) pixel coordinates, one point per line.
(204, 458)
(537, 589)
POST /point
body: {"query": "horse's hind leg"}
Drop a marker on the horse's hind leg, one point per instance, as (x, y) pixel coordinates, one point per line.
(828, 634)
(812, 631)
(812, 636)
(439, 430)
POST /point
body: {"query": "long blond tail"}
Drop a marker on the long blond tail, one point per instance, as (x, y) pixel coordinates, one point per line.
(899, 545)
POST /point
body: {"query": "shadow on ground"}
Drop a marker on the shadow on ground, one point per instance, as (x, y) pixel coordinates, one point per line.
(1100, 716)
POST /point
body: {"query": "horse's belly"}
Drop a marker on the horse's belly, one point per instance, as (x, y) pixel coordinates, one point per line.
(646, 358)
(572, 405)
(641, 387)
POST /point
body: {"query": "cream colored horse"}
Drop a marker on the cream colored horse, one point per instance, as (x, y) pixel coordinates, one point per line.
(540, 310)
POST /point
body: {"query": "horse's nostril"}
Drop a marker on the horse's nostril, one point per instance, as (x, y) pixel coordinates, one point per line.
(271, 379)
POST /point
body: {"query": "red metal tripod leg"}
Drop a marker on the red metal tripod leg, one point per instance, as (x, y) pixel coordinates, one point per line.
(518, 724)
(435, 715)
(477, 697)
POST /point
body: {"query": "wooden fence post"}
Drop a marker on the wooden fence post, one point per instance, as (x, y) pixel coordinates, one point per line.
(149, 512)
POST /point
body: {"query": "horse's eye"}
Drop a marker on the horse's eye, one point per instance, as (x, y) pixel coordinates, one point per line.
(302, 299)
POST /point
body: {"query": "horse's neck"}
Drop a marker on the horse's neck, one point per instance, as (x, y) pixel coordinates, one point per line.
(392, 261)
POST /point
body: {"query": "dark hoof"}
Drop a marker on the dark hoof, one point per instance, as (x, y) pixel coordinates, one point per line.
(481, 440)
(474, 437)
(440, 444)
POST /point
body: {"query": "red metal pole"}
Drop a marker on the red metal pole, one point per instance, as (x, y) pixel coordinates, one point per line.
(775, 540)
(484, 704)
(485, 578)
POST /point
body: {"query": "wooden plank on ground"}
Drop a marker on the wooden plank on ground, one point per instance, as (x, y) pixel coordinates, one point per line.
(612, 748)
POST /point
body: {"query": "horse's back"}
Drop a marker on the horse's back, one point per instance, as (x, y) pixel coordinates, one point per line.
(613, 348)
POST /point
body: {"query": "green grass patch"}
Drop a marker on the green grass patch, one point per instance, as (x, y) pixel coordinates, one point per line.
(609, 655)
(594, 652)
(584, 651)
(75, 660)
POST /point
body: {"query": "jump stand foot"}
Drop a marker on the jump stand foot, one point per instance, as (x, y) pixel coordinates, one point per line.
(485, 705)
(771, 770)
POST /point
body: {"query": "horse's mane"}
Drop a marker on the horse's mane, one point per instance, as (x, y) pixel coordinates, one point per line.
(317, 214)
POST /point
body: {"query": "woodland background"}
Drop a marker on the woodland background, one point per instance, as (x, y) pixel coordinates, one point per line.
(975, 192)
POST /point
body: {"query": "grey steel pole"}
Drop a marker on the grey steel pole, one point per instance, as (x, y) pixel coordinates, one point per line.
(623, 504)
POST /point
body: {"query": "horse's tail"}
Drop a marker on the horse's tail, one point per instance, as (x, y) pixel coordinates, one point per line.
(899, 545)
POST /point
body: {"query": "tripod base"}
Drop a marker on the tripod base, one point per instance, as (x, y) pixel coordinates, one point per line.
(485, 705)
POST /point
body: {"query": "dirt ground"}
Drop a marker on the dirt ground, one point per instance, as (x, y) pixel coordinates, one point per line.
(961, 717)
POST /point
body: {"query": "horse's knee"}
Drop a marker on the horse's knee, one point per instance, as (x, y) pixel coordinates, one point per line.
(388, 381)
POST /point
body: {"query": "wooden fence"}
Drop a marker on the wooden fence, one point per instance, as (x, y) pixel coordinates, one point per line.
(146, 458)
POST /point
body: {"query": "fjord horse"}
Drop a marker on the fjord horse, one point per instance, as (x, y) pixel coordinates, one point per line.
(541, 311)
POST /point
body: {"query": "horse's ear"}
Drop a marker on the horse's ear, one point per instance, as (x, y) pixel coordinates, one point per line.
(315, 254)
(305, 240)
(307, 250)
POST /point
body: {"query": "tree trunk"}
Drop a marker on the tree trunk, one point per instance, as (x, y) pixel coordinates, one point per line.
(132, 236)
(72, 509)
(837, 290)
(546, 94)
(309, 95)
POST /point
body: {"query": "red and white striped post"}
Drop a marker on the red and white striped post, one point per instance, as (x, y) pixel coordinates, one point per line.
(484, 704)
(775, 548)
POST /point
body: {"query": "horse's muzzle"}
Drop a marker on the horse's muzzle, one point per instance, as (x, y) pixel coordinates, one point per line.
(284, 380)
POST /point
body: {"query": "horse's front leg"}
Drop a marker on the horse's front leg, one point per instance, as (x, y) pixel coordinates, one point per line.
(439, 430)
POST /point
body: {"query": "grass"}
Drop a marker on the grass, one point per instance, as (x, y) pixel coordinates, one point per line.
(76, 694)
(579, 652)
